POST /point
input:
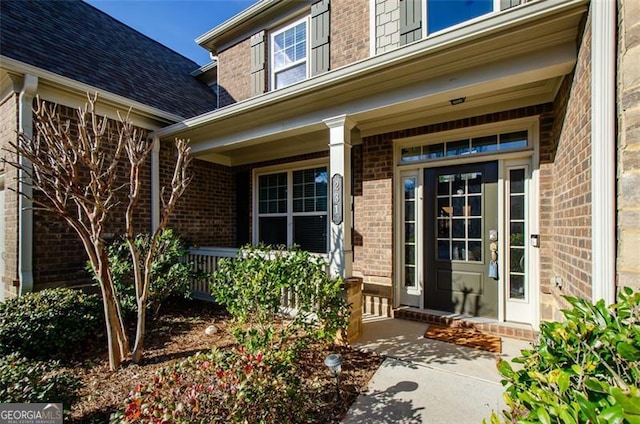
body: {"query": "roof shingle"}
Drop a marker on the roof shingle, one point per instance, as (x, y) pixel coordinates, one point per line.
(73, 39)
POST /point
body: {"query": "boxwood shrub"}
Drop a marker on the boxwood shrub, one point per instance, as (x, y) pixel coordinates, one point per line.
(49, 324)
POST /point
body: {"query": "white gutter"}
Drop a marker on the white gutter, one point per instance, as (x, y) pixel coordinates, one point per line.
(603, 150)
(155, 184)
(447, 40)
(25, 190)
(105, 96)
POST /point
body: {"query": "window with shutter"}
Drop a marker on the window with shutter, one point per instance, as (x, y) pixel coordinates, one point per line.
(410, 21)
(258, 64)
(289, 54)
(320, 24)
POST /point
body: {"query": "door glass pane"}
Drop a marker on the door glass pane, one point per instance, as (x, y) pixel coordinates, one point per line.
(459, 221)
(517, 227)
(410, 231)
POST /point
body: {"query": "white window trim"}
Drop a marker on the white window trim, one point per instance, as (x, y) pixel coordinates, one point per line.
(289, 168)
(272, 70)
(400, 257)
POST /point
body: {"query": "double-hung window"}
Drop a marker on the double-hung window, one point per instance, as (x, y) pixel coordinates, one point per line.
(292, 208)
(289, 53)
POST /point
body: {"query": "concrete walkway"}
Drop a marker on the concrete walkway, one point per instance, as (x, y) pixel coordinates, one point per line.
(427, 381)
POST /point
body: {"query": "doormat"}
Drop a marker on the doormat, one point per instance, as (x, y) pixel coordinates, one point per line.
(464, 337)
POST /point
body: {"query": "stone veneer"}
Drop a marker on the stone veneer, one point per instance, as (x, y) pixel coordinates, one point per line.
(628, 143)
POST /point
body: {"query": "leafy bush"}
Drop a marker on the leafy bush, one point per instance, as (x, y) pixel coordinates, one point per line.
(22, 381)
(49, 324)
(170, 275)
(252, 287)
(585, 369)
(216, 387)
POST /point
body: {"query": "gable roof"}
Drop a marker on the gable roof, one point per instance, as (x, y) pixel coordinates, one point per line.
(74, 39)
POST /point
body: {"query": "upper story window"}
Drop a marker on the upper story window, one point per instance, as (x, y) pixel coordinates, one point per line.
(442, 14)
(420, 17)
(289, 52)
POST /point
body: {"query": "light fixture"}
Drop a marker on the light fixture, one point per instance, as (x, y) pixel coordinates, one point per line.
(457, 101)
(334, 363)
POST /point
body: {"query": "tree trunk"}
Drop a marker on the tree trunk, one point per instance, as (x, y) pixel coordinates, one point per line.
(138, 347)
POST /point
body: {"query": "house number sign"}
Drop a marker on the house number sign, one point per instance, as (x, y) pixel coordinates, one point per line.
(336, 199)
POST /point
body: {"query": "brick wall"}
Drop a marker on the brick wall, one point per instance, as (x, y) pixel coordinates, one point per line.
(565, 191)
(373, 191)
(387, 25)
(59, 257)
(349, 32)
(234, 73)
(204, 213)
(8, 128)
(628, 261)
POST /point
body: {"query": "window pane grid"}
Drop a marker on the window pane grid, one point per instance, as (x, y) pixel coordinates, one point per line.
(517, 224)
(485, 144)
(289, 57)
(459, 221)
(410, 234)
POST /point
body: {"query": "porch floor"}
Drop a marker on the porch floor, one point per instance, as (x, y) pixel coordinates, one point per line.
(485, 325)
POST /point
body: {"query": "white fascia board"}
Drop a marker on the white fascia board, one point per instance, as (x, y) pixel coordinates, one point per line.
(69, 84)
(493, 76)
(232, 22)
(493, 23)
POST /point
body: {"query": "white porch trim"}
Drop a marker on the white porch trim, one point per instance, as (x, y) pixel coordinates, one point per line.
(340, 249)
(603, 150)
(25, 190)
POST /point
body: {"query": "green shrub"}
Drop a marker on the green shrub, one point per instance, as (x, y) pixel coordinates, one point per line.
(251, 287)
(216, 387)
(170, 274)
(49, 324)
(583, 370)
(25, 381)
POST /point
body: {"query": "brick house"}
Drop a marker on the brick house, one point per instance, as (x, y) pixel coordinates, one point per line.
(481, 163)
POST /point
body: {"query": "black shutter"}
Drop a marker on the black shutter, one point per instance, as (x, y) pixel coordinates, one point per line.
(258, 64)
(410, 21)
(320, 27)
(506, 4)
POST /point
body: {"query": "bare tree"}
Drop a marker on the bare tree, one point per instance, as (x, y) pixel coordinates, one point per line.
(76, 169)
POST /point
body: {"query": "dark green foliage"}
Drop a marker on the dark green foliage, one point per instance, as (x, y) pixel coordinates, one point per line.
(170, 274)
(25, 381)
(49, 324)
(583, 370)
(252, 285)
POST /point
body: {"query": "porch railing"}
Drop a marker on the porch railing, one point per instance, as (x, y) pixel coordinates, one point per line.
(205, 259)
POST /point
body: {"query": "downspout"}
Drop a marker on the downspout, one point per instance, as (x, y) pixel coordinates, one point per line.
(603, 150)
(155, 184)
(25, 190)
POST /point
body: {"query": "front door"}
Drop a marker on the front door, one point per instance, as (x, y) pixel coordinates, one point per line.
(461, 223)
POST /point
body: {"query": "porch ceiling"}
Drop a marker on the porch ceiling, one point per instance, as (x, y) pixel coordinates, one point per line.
(508, 60)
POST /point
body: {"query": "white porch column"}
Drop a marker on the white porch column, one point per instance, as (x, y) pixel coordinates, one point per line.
(341, 251)
(155, 184)
(25, 204)
(603, 150)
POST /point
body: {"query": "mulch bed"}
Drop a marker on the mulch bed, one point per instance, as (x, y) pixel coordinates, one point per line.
(179, 333)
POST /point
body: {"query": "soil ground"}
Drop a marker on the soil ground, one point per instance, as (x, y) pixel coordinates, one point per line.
(179, 333)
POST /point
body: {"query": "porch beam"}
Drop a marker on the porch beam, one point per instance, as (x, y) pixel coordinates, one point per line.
(340, 248)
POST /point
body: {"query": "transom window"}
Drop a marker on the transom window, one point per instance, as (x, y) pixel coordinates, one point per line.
(466, 146)
(289, 54)
(292, 208)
